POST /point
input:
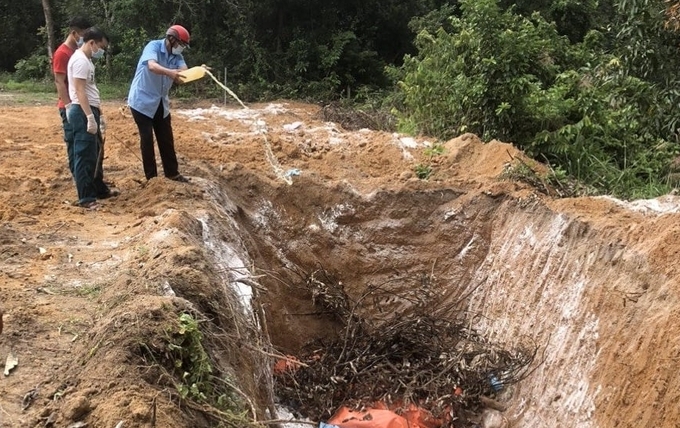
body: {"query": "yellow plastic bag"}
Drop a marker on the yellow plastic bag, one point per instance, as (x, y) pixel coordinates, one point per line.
(192, 74)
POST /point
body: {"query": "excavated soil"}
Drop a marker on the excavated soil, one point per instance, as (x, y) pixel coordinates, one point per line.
(91, 298)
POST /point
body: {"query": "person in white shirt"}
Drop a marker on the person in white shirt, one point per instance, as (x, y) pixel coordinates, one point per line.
(84, 116)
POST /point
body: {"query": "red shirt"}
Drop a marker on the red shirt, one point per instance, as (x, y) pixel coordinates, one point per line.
(60, 65)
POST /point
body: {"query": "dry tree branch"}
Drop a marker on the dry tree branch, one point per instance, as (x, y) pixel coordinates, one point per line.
(420, 355)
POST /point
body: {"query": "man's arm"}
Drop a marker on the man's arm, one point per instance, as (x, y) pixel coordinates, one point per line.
(82, 96)
(59, 68)
(62, 89)
(156, 68)
(80, 83)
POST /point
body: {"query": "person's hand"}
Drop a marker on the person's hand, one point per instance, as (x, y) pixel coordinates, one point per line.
(175, 76)
(91, 124)
(102, 125)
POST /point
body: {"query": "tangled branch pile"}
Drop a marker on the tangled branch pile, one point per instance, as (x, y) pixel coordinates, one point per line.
(400, 345)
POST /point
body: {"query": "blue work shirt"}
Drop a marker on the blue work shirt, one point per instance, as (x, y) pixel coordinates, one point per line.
(147, 88)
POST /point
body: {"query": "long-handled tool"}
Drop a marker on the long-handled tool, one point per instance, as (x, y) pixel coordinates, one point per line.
(128, 148)
(100, 152)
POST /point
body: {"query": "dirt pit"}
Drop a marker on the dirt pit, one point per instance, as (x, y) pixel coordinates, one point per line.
(130, 312)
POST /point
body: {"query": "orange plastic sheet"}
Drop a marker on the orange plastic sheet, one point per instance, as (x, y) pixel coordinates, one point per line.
(382, 417)
(284, 365)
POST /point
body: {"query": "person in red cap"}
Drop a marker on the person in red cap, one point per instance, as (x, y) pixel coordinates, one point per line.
(158, 68)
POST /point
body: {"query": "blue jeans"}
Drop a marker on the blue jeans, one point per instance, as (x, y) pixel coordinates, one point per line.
(68, 138)
(88, 154)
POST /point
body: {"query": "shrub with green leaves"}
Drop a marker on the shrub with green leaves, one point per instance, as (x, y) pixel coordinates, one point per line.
(514, 78)
(35, 67)
(191, 362)
(481, 76)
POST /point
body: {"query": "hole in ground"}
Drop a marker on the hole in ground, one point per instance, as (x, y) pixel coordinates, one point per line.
(370, 294)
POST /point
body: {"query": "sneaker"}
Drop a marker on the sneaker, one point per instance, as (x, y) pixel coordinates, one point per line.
(180, 178)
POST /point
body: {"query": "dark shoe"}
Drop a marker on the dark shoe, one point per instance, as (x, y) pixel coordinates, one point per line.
(92, 205)
(112, 193)
(180, 178)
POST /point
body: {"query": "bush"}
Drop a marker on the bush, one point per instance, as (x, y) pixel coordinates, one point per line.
(503, 76)
(35, 67)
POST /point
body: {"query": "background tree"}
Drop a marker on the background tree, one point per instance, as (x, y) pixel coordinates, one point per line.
(49, 27)
(289, 47)
(20, 24)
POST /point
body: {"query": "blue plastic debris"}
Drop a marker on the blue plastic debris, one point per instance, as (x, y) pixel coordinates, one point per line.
(292, 172)
(325, 425)
(496, 384)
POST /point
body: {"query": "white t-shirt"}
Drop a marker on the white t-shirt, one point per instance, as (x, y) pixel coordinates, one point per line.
(81, 67)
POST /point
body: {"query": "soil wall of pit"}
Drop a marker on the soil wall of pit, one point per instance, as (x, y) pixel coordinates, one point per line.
(596, 291)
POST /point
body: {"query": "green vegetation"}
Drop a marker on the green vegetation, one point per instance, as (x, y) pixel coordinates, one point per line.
(424, 170)
(88, 290)
(515, 78)
(184, 360)
(190, 359)
(42, 90)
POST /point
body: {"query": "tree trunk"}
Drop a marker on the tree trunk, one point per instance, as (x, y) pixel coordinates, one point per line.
(49, 27)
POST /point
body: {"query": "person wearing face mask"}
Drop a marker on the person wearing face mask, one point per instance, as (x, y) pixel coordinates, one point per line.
(74, 40)
(158, 68)
(85, 118)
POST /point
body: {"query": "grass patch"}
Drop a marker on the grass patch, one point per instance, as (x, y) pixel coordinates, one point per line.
(38, 86)
(89, 291)
(36, 92)
(425, 169)
(15, 92)
(552, 182)
(113, 91)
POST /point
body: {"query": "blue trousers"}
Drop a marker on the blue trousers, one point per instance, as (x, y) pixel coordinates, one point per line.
(88, 156)
(68, 138)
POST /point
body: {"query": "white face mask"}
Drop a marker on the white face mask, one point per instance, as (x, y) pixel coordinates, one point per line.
(98, 54)
(80, 42)
(177, 49)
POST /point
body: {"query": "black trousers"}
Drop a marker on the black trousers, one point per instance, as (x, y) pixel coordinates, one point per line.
(162, 127)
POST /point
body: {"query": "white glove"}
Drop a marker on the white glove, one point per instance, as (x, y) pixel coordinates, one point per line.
(102, 126)
(91, 124)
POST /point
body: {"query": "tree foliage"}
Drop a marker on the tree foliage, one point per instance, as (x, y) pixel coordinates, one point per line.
(582, 106)
(20, 31)
(294, 47)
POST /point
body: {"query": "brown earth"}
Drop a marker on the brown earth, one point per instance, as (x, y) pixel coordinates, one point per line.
(91, 298)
